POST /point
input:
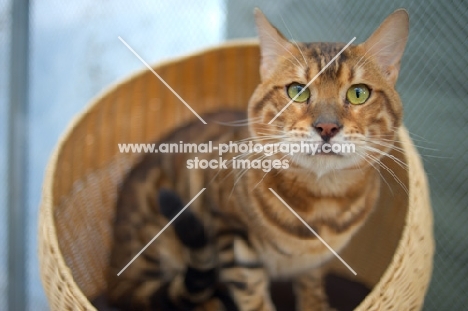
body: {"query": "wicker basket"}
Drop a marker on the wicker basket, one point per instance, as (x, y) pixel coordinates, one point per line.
(392, 254)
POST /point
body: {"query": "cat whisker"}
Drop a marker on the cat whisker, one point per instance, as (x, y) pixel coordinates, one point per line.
(294, 41)
(228, 164)
(395, 137)
(275, 130)
(270, 125)
(239, 122)
(391, 172)
(284, 48)
(242, 173)
(278, 136)
(363, 156)
(418, 138)
(247, 119)
(255, 139)
(264, 175)
(400, 163)
(437, 157)
(384, 143)
(391, 141)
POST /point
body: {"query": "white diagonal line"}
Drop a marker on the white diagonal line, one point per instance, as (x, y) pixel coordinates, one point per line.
(313, 231)
(162, 230)
(311, 81)
(162, 80)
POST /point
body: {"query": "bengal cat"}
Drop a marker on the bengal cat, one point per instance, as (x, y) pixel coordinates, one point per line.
(237, 234)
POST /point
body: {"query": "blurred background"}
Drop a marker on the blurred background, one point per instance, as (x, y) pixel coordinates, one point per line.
(55, 56)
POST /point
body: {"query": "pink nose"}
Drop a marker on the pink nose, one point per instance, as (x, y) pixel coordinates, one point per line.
(327, 130)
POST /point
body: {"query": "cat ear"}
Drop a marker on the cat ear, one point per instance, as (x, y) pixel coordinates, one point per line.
(272, 44)
(387, 44)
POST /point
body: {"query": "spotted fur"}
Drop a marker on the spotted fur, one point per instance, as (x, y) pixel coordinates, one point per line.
(223, 251)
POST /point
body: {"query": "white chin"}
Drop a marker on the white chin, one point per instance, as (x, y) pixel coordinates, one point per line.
(324, 164)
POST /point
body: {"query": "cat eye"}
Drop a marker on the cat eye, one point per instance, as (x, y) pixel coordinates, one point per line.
(295, 89)
(357, 94)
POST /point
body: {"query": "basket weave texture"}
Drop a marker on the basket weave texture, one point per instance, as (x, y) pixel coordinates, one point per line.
(84, 172)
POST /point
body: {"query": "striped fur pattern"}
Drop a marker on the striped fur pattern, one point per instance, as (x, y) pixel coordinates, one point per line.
(223, 251)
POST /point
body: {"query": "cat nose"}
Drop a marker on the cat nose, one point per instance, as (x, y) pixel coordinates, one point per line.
(327, 130)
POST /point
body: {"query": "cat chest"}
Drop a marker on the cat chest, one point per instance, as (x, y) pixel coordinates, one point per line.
(286, 258)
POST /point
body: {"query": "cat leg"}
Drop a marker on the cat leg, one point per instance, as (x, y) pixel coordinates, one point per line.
(310, 294)
(243, 273)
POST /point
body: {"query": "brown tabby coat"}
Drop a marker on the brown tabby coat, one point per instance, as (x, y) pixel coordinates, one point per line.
(252, 237)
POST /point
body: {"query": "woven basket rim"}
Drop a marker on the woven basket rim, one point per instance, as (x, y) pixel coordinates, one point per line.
(410, 155)
(47, 228)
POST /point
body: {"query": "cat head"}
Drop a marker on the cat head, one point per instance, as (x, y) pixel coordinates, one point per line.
(352, 101)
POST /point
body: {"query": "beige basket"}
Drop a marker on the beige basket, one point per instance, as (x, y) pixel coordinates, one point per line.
(392, 254)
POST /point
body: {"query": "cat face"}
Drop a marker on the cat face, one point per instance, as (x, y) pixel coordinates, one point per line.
(353, 101)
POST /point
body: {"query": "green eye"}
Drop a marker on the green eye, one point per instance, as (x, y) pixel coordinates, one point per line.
(296, 88)
(358, 94)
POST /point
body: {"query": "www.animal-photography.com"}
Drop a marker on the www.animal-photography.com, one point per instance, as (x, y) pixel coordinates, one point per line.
(223, 155)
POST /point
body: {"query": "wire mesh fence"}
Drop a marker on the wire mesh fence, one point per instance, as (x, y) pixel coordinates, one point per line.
(432, 85)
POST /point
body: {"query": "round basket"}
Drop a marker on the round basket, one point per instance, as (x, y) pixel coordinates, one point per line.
(392, 254)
